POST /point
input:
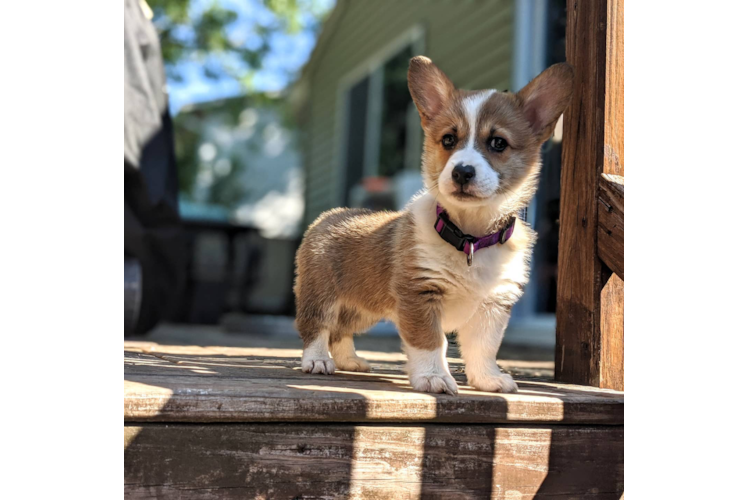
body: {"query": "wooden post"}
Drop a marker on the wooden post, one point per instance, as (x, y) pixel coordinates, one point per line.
(610, 222)
(589, 332)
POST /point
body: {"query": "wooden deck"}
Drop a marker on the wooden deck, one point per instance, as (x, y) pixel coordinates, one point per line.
(244, 422)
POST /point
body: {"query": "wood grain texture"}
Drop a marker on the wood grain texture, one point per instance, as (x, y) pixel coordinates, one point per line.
(261, 385)
(612, 296)
(610, 222)
(611, 307)
(372, 461)
(593, 144)
(614, 89)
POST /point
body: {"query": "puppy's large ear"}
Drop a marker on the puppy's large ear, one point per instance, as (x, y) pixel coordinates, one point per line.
(546, 97)
(429, 87)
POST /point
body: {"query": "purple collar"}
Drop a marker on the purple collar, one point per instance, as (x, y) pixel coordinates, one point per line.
(466, 242)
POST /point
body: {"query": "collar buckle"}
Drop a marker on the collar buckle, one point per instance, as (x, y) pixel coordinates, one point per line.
(451, 233)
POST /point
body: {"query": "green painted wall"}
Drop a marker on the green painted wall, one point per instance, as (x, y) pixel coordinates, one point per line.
(470, 40)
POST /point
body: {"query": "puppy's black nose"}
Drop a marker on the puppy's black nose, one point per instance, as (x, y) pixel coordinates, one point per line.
(462, 174)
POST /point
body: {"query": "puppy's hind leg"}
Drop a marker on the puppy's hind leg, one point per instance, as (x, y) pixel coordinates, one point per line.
(313, 321)
(341, 340)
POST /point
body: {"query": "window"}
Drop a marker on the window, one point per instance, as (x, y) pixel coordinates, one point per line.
(356, 135)
(547, 199)
(396, 102)
(382, 134)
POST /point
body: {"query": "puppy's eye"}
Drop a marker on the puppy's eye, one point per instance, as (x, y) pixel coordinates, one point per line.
(498, 144)
(449, 141)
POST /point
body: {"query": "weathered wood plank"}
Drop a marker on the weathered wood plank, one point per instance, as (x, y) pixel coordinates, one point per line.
(210, 388)
(593, 144)
(612, 296)
(610, 222)
(611, 349)
(167, 399)
(370, 462)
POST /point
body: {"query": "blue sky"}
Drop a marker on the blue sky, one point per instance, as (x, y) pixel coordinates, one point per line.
(287, 55)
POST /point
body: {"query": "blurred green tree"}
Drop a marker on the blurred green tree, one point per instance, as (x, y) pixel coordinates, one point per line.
(225, 39)
(195, 30)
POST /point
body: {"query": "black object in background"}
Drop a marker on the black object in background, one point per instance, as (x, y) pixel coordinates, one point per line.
(153, 235)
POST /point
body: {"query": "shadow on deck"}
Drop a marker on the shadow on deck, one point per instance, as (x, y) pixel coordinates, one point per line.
(244, 422)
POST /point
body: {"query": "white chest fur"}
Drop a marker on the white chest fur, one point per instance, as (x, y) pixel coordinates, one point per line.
(493, 267)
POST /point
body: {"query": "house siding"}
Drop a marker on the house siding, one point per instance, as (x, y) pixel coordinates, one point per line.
(470, 40)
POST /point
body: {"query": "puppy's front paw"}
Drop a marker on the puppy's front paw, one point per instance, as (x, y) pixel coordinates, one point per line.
(353, 364)
(495, 383)
(435, 383)
(325, 366)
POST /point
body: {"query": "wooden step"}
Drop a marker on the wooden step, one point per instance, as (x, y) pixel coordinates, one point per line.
(245, 423)
(373, 461)
(193, 384)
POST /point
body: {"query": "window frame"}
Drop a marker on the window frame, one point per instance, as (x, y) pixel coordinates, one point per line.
(373, 68)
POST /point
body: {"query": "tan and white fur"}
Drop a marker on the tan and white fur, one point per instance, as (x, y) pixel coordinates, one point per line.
(355, 266)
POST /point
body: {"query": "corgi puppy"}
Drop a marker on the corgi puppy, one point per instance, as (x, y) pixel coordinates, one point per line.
(456, 258)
